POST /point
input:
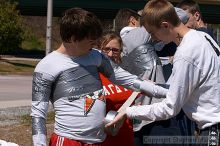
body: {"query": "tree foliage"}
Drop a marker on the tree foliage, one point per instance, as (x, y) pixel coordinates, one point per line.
(10, 27)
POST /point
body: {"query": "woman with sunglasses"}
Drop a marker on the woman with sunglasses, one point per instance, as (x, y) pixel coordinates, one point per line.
(111, 46)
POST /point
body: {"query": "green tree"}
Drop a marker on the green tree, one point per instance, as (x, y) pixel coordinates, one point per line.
(10, 27)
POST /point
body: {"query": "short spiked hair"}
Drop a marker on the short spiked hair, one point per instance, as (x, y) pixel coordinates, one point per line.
(156, 11)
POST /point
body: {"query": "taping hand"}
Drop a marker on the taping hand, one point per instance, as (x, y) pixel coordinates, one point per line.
(117, 122)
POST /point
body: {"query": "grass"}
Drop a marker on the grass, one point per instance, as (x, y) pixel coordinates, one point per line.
(17, 67)
(31, 42)
(26, 119)
(21, 133)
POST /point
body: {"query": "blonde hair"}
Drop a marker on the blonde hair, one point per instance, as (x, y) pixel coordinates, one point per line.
(157, 11)
(107, 37)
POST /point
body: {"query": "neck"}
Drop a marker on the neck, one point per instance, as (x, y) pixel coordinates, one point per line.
(180, 31)
(201, 24)
(69, 49)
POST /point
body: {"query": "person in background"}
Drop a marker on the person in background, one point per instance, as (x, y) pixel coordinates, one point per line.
(69, 78)
(139, 57)
(195, 17)
(111, 46)
(194, 84)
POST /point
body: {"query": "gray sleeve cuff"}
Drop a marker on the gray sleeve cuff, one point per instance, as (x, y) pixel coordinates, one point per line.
(39, 140)
(137, 84)
(39, 131)
(129, 112)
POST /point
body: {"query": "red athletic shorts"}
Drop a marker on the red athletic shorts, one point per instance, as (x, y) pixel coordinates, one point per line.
(56, 140)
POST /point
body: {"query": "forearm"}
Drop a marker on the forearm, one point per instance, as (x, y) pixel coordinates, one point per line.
(41, 89)
(155, 112)
(182, 84)
(150, 88)
(39, 114)
(123, 78)
(39, 131)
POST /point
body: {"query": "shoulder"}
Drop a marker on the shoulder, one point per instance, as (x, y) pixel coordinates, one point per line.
(53, 63)
(134, 38)
(193, 47)
(195, 41)
(191, 41)
(47, 61)
(188, 47)
(96, 53)
(140, 33)
(97, 56)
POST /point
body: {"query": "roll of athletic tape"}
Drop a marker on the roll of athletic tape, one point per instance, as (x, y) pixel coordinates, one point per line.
(109, 117)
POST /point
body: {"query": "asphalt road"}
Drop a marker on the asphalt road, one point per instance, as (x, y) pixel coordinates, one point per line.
(15, 91)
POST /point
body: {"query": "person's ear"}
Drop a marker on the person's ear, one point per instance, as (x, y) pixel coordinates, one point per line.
(132, 21)
(197, 16)
(165, 25)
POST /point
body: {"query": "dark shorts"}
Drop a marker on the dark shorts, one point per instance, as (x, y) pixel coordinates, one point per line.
(165, 133)
(209, 136)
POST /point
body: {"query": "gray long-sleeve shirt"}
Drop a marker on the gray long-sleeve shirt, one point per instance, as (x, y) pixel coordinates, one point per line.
(139, 58)
(74, 87)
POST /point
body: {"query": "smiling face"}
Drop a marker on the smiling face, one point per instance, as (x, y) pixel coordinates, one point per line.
(111, 45)
(113, 50)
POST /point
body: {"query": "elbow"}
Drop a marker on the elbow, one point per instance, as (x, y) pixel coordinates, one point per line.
(171, 111)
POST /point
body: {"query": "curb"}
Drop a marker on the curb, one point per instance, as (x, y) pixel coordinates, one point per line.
(19, 58)
(14, 103)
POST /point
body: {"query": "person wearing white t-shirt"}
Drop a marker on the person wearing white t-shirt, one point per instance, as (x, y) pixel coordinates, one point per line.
(194, 84)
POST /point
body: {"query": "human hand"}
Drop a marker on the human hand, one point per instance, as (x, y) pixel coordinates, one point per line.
(113, 127)
(171, 59)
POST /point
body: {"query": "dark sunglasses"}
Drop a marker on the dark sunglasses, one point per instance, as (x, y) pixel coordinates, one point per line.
(108, 49)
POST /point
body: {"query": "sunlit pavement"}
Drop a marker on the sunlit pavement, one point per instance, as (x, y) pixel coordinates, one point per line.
(15, 91)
